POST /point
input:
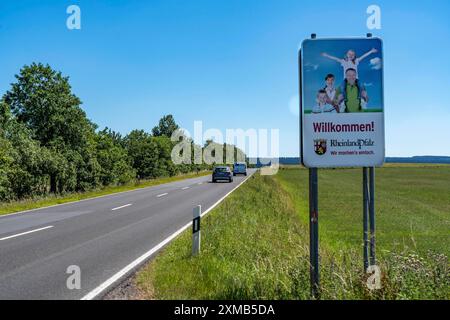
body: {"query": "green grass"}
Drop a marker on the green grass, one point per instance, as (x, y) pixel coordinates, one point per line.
(366, 110)
(412, 205)
(35, 203)
(253, 237)
(255, 244)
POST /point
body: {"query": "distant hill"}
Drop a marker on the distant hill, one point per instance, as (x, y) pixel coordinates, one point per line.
(415, 159)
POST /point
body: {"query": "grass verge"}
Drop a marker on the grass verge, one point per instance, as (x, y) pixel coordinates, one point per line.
(255, 246)
(35, 203)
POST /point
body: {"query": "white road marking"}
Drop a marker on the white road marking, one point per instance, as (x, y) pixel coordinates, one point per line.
(185, 188)
(24, 233)
(83, 200)
(91, 295)
(162, 195)
(200, 183)
(127, 205)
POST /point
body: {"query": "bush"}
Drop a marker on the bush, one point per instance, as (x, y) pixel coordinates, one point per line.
(48, 145)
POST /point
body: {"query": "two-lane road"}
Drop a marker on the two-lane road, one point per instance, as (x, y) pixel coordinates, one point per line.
(101, 236)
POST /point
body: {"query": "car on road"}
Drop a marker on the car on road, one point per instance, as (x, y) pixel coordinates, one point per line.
(240, 168)
(222, 173)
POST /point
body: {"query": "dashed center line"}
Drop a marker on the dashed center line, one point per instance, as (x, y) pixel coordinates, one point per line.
(200, 183)
(185, 188)
(119, 275)
(24, 233)
(127, 205)
(162, 195)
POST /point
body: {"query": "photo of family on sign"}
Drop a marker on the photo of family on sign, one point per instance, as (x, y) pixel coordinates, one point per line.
(342, 84)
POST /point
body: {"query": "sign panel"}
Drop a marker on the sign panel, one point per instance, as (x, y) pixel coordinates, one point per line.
(342, 109)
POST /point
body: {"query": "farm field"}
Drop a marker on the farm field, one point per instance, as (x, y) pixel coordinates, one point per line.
(255, 245)
(412, 204)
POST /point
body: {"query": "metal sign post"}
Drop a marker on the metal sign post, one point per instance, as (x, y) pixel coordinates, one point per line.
(369, 216)
(314, 268)
(371, 209)
(314, 232)
(365, 219)
(372, 214)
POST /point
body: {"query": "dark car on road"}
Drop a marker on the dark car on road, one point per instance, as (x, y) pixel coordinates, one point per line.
(222, 173)
(240, 168)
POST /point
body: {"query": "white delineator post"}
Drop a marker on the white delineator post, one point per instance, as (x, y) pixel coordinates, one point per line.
(196, 230)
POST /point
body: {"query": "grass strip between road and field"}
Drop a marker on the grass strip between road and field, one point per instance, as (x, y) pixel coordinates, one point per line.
(36, 203)
(255, 245)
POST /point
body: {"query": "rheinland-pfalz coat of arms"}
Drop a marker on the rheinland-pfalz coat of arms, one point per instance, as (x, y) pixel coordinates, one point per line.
(320, 146)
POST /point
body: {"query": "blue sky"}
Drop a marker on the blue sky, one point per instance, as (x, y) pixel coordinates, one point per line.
(230, 63)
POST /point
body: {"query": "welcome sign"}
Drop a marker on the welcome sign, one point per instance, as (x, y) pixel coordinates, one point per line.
(342, 107)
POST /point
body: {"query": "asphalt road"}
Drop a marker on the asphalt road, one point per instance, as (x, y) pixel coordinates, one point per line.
(101, 236)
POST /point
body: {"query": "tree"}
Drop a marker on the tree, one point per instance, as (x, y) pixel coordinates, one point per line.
(164, 165)
(6, 161)
(113, 159)
(5, 115)
(42, 100)
(143, 153)
(166, 127)
(22, 159)
(26, 173)
(47, 144)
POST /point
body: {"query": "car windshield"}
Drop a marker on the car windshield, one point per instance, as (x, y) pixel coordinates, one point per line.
(221, 169)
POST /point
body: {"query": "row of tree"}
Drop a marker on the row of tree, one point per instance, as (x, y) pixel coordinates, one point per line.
(48, 145)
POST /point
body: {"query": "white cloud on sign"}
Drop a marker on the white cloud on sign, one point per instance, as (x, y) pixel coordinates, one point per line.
(375, 63)
(311, 67)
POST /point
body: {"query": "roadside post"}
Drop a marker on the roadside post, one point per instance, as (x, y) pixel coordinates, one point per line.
(342, 125)
(372, 215)
(314, 232)
(365, 218)
(371, 209)
(196, 230)
(369, 216)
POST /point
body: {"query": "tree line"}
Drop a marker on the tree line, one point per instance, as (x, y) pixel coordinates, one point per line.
(49, 146)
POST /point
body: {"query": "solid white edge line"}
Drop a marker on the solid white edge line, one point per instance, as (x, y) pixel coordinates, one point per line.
(127, 205)
(162, 195)
(92, 294)
(24, 233)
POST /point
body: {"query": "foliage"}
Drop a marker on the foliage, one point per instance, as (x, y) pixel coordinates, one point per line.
(49, 146)
(113, 159)
(143, 153)
(166, 127)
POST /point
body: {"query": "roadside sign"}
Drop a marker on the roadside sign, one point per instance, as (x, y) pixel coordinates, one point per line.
(342, 102)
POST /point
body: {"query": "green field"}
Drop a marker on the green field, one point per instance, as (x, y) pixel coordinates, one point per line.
(412, 206)
(255, 244)
(35, 203)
